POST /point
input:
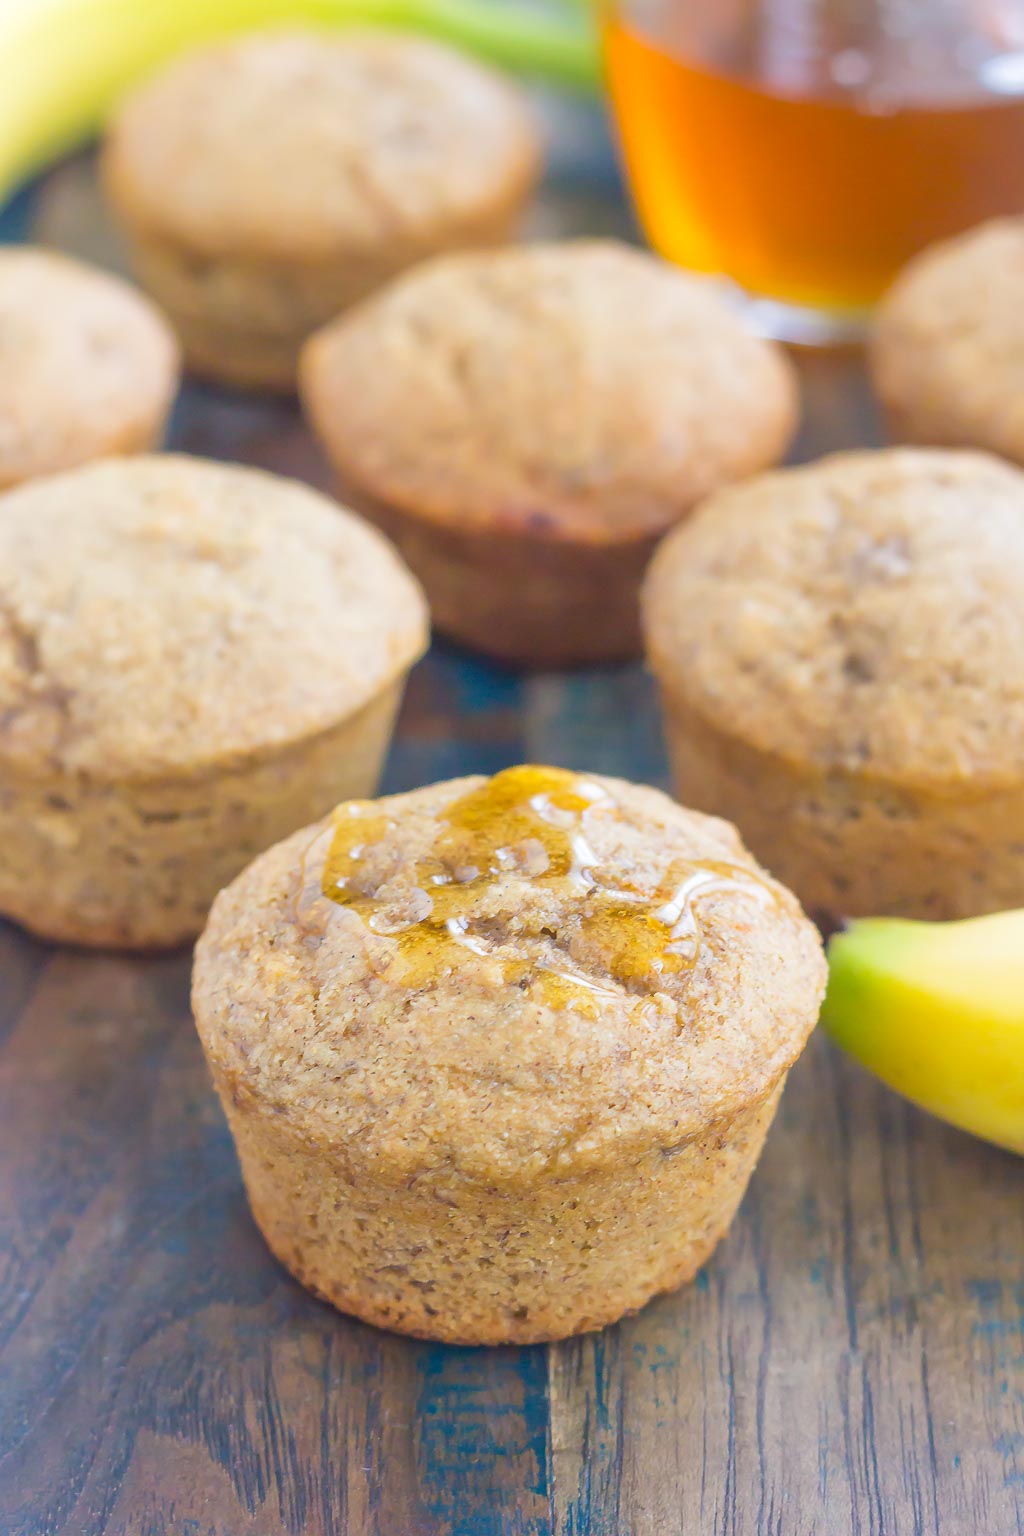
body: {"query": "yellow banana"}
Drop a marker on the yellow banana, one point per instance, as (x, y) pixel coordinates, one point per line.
(937, 1011)
(64, 62)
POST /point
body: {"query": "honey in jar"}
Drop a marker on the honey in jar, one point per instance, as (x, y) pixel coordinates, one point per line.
(807, 150)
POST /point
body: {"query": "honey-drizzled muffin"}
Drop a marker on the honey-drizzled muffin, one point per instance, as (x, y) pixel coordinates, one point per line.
(840, 652)
(526, 424)
(947, 350)
(499, 1055)
(269, 181)
(194, 659)
(88, 366)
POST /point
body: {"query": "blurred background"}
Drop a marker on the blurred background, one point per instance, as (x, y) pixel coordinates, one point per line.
(800, 149)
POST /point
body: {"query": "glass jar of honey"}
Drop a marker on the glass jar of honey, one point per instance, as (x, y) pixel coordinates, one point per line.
(805, 149)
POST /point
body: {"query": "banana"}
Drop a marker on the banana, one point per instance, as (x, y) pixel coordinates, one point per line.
(63, 63)
(937, 1011)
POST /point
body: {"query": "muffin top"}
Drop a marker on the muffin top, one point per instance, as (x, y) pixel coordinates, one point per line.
(87, 365)
(520, 977)
(299, 144)
(579, 391)
(162, 614)
(864, 613)
(947, 351)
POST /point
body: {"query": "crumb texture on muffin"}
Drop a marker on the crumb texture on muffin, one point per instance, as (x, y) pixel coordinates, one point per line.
(164, 614)
(579, 391)
(194, 660)
(499, 1055)
(510, 980)
(947, 353)
(293, 144)
(87, 365)
(864, 614)
(271, 181)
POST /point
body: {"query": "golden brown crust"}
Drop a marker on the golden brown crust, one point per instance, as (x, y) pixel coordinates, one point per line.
(947, 351)
(583, 392)
(271, 181)
(862, 614)
(192, 657)
(423, 1062)
(166, 615)
(527, 423)
(840, 650)
(509, 1100)
(88, 366)
(301, 145)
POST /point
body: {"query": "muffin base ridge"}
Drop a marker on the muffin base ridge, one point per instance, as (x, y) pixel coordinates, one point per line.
(848, 845)
(136, 866)
(399, 1259)
(245, 321)
(520, 597)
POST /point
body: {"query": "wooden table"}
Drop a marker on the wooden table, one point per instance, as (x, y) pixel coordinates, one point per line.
(851, 1361)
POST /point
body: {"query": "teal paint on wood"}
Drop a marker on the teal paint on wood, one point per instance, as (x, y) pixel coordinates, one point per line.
(481, 1437)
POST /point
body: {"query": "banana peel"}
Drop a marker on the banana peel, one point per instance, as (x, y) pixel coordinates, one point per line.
(936, 1010)
(64, 63)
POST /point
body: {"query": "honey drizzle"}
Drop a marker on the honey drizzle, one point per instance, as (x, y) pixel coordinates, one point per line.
(533, 823)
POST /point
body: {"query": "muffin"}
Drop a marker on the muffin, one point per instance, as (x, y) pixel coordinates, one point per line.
(194, 660)
(499, 1055)
(87, 366)
(840, 650)
(267, 182)
(947, 353)
(526, 424)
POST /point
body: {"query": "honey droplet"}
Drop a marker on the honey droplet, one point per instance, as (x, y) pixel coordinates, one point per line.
(528, 824)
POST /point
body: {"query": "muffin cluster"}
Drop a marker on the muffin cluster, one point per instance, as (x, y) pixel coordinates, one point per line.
(498, 1054)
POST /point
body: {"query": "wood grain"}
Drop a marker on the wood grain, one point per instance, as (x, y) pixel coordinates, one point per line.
(851, 1361)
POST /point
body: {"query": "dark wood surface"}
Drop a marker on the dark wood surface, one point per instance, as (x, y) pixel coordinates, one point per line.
(851, 1361)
